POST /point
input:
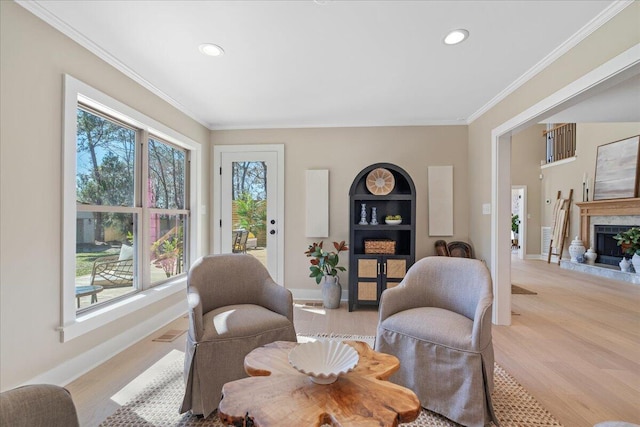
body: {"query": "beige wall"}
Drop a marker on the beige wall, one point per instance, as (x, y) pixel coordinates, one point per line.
(613, 38)
(569, 175)
(34, 57)
(345, 152)
(527, 149)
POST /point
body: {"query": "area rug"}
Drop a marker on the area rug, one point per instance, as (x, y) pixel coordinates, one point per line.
(157, 404)
(515, 289)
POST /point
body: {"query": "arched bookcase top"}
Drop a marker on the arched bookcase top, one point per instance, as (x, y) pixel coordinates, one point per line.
(403, 185)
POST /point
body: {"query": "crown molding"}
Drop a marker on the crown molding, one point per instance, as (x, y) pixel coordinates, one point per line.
(603, 17)
(39, 9)
(249, 126)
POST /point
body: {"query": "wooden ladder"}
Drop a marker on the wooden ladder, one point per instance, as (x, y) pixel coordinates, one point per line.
(562, 214)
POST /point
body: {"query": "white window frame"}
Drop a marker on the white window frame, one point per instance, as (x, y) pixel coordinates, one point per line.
(73, 324)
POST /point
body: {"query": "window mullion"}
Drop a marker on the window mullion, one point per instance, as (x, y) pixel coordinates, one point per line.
(144, 276)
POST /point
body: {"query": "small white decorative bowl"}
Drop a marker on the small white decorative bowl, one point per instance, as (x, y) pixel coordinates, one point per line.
(323, 361)
(393, 221)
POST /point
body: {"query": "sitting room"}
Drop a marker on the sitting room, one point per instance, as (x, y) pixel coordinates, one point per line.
(237, 192)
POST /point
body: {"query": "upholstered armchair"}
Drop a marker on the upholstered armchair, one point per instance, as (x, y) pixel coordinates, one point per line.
(234, 307)
(437, 321)
(37, 405)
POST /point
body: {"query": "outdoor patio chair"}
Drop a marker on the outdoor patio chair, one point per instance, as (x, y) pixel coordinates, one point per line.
(240, 245)
(114, 271)
(234, 308)
(437, 322)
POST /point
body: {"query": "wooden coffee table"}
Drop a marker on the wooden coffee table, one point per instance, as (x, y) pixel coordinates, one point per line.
(278, 395)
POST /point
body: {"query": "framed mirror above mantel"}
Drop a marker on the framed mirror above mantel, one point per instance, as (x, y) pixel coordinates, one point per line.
(607, 208)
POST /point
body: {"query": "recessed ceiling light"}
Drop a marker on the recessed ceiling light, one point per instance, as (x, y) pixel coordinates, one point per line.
(456, 36)
(211, 49)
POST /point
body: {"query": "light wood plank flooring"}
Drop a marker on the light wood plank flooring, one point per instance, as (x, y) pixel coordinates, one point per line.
(575, 346)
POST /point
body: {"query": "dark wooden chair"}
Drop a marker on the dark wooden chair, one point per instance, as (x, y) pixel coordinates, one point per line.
(454, 249)
(441, 248)
(460, 249)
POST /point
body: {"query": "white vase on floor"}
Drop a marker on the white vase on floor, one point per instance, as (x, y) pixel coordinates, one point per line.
(625, 265)
(635, 260)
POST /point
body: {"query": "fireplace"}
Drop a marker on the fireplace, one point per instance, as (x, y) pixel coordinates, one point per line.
(606, 246)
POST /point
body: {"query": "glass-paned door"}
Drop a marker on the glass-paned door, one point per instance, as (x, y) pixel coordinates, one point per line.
(249, 208)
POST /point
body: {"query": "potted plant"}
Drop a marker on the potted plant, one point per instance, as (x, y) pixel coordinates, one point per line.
(515, 223)
(630, 242)
(324, 266)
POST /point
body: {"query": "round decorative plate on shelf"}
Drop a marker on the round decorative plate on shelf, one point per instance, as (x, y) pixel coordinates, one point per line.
(380, 182)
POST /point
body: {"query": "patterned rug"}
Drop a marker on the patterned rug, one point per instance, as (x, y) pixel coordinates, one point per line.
(157, 404)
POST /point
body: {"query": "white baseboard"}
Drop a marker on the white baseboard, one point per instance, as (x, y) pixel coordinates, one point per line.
(73, 368)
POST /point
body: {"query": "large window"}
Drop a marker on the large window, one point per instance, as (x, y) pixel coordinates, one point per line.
(113, 203)
(129, 182)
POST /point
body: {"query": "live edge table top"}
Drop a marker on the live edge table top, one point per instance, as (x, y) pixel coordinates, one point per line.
(278, 395)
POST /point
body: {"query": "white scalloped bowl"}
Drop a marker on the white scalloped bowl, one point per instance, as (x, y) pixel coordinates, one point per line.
(393, 221)
(323, 361)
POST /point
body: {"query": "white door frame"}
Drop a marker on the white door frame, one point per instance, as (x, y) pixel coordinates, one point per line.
(216, 196)
(612, 72)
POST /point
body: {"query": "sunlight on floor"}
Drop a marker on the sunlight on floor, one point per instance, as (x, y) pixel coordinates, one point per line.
(135, 387)
(310, 307)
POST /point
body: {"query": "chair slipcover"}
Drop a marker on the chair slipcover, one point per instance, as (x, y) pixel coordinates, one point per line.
(37, 405)
(234, 307)
(437, 322)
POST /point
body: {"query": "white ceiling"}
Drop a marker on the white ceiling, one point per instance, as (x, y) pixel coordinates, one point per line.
(328, 63)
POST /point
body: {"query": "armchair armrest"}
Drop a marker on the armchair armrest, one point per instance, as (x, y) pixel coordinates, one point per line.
(195, 314)
(400, 298)
(481, 334)
(277, 298)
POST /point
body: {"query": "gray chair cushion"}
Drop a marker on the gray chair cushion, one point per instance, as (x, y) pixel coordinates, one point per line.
(241, 321)
(432, 324)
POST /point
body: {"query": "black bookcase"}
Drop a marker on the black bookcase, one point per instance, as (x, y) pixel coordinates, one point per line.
(370, 274)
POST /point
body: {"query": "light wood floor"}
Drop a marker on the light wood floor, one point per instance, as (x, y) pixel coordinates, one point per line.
(575, 346)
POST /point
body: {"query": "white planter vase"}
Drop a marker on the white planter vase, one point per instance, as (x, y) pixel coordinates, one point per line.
(635, 260)
(331, 292)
